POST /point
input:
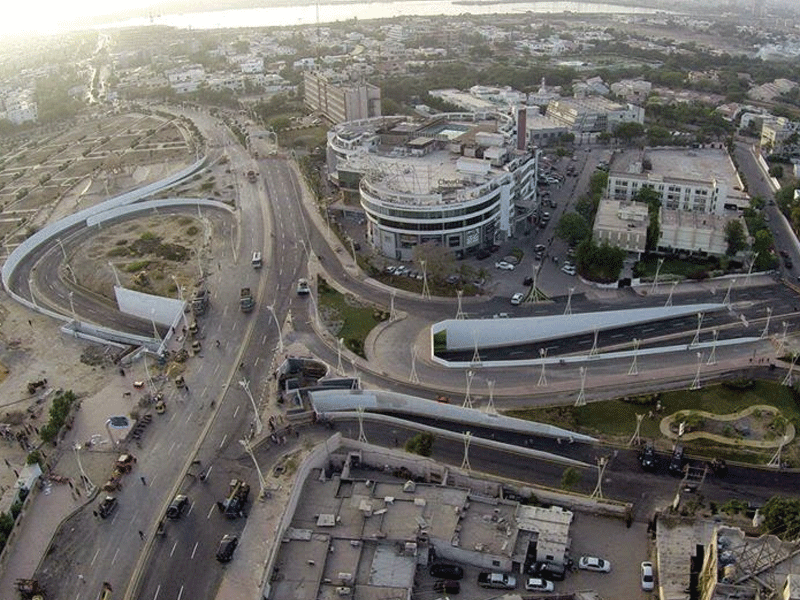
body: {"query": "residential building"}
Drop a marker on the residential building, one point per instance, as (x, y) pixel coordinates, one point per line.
(186, 79)
(777, 133)
(623, 224)
(339, 100)
(456, 180)
(19, 107)
(632, 90)
(586, 117)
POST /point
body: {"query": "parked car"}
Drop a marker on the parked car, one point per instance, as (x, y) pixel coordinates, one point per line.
(483, 253)
(517, 298)
(593, 563)
(569, 269)
(447, 586)
(536, 584)
(446, 571)
(177, 506)
(549, 571)
(503, 265)
(648, 580)
(528, 280)
(227, 546)
(677, 460)
(539, 248)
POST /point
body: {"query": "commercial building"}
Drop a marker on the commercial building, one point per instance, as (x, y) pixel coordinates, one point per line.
(587, 117)
(779, 134)
(622, 224)
(455, 180)
(699, 189)
(340, 100)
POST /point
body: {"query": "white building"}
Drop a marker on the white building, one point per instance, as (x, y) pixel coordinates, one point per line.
(776, 133)
(340, 100)
(632, 90)
(19, 107)
(456, 180)
(622, 224)
(700, 191)
(586, 117)
(186, 79)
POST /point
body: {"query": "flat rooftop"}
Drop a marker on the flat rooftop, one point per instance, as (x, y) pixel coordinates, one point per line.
(702, 165)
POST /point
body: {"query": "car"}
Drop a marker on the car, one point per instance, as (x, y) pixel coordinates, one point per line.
(593, 563)
(528, 280)
(107, 506)
(177, 506)
(226, 548)
(648, 580)
(539, 248)
(483, 253)
(537, 584)
(503, 265)
(302, 287)
(788, 263)
(138, 384)
(446, 571)
(569, 269)
(676, 460)
(545, 216)
(447, 586)
(784, 254)
(648, 457)
(549, 571)
(517, 298)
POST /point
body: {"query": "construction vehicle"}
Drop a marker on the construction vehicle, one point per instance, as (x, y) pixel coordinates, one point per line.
(29, 589)
(35, 385)
(246, 301)
(200, 301)
(107, 506)
(125, 463)
(233, 505)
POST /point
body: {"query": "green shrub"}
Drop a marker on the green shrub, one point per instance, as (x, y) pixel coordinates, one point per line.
(137, 266)
(421, 444)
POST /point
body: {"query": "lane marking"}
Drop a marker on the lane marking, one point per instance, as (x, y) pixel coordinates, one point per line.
(95, 556)
(113, 560)
(180, 593)
(211, 510)
(222, 443)
(194, 549)
(175, 545)
(158, 591)
(236, 411)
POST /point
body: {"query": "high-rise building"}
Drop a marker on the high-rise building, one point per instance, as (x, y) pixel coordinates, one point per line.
(339, 100)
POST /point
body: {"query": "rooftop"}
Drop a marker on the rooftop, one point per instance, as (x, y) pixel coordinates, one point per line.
(702, 165)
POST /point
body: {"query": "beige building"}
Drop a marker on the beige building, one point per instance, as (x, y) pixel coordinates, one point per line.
(775, 132)
(622, 224)
(586, 117)
(694, 231)
(340, 100)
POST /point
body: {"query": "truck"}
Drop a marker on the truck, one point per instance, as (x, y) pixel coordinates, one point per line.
(200, 301)
(233, 505)
(500, 581)
(246, 301)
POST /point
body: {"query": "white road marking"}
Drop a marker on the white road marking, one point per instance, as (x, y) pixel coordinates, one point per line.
(191, 506)
(222, 443)
(95, 556)
(113, 560)
(211, 510)
(236, 411)
(255, 362)
(158, 591)
(175, 545)
(172, 447)
(194, 549)
(180, 593)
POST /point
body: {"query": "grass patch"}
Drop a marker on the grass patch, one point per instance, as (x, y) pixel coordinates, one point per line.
(614, 420)
(690, 268)
(138, 265)
(347, 317)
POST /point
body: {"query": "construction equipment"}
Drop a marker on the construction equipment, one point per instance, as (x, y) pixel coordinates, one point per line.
(29, 589)
(233, 505)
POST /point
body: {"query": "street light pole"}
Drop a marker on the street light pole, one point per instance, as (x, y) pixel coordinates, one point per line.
(246, 387)
(261, 483)
(271, 309)
(88, 485)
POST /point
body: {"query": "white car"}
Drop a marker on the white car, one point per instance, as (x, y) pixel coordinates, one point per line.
(569, 269)
(535, 584)
(648, 580)
(592, 563)
(505, 266)
(516, 299)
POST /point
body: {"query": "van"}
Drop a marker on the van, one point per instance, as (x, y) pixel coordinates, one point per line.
(256, 260)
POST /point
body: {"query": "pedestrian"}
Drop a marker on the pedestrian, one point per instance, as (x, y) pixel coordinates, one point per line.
(8, 464)
(30, 322)
(141, 534)
(144, 482)
(216, 342)
(94, 512)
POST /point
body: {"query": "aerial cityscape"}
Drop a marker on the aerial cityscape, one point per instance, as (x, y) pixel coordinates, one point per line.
(400, 301)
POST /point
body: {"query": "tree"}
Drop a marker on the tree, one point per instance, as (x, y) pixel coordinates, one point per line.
(735, 237)
(782, 517)
(627, 132)
(438, 259)
(601, 263)
(573, 228)
(650, 197)
(570, 478)
(421, 444)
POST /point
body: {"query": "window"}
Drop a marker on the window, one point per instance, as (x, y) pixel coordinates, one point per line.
(495, 563)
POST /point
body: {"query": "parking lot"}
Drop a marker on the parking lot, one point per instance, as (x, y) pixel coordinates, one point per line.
(607, 538)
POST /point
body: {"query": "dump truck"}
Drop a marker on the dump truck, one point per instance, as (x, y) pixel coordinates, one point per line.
(233, 505)
(246, 301)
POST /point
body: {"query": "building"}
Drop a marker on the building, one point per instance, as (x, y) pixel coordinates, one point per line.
(587, 117)
(778, 134)
(339, 100)
(748, 568)
(455, 180)
(542, 130)
(632, 90)
(699, 189)
(622, 224)
(186, 79)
